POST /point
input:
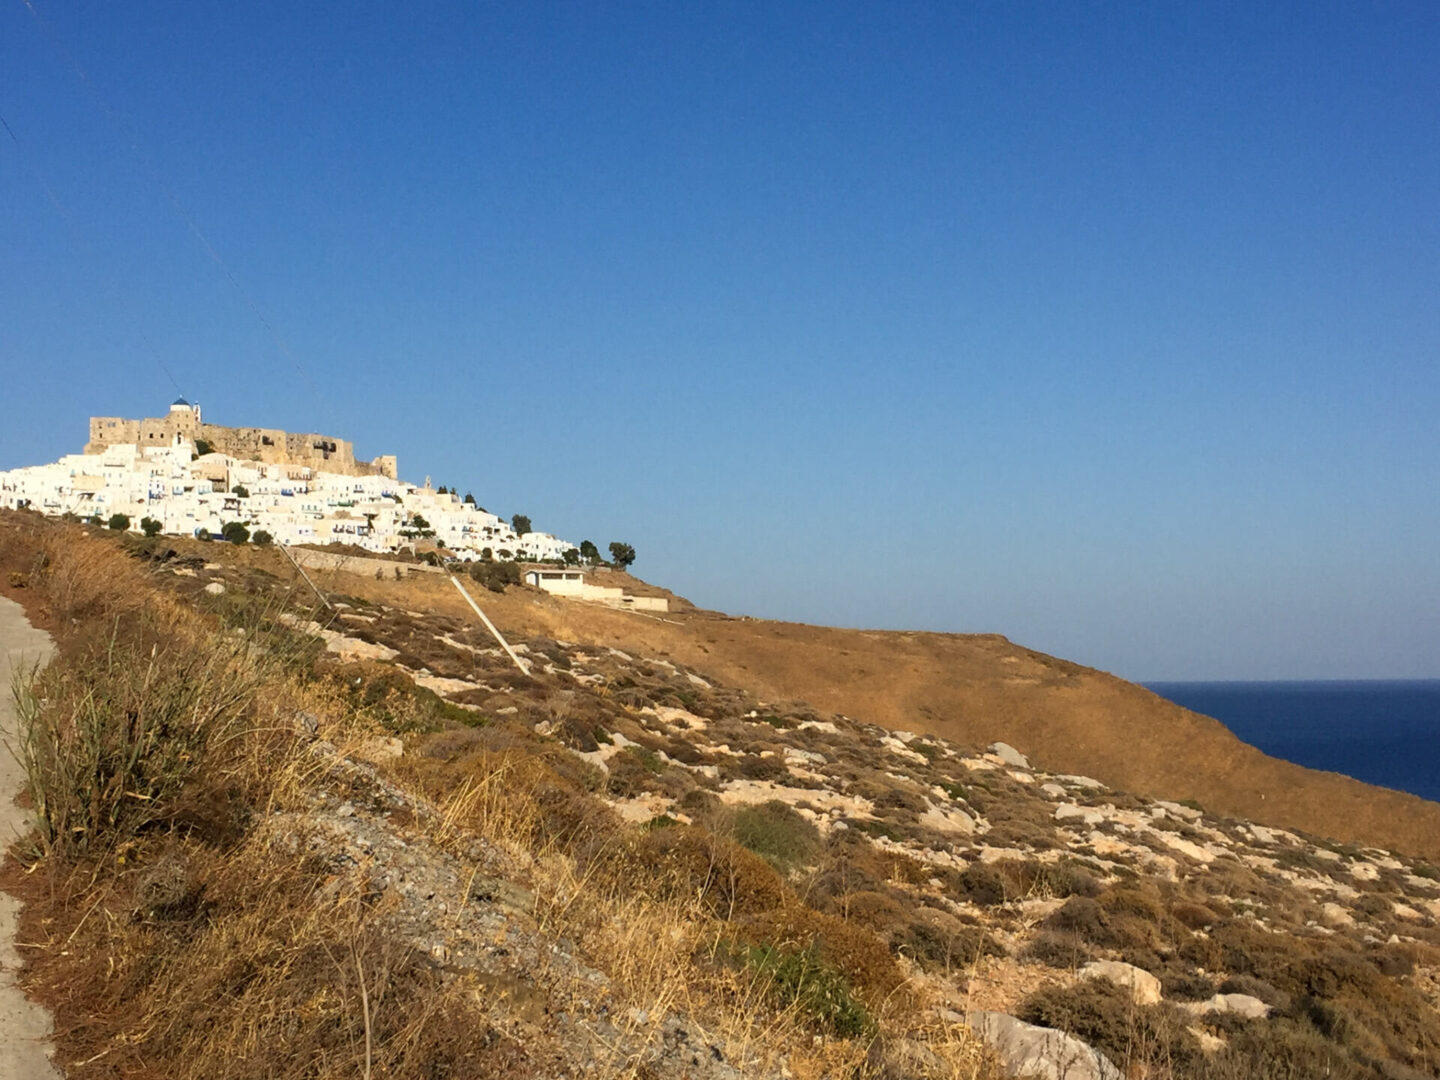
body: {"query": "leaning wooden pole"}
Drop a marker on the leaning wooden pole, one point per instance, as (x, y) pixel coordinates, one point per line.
(301, 570)
(489, 625)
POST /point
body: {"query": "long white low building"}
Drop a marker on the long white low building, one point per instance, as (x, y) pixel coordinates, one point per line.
(191, 495)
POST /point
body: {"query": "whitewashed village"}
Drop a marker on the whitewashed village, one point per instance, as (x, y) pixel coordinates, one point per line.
(176, 475)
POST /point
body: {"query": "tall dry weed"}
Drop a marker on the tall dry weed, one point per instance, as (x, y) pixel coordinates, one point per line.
(84, 577)
(110, 737)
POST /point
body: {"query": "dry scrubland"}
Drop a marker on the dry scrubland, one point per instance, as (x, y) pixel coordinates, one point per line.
(277, 841)
(976, 689)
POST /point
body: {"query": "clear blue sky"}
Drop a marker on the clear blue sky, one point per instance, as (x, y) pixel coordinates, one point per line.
(1114, 329)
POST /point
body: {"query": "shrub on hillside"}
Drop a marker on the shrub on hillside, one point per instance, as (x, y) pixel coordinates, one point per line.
(797, 979)
(1137, 1039)
(111, 736)
(1060, 949)
(690, 862)
(495, 575)
(778, 834)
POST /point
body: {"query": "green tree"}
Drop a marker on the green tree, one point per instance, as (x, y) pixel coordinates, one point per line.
(262, 538)
(521, 524)
(240, 491)
(571, 556)
(150, 527)
(470, 499)
(495, 576)
(417, 526)
(202, 448)
(202, 534)
(119, 522)
(235, 532)
(589, 552)
(622, 555)
(442, 490)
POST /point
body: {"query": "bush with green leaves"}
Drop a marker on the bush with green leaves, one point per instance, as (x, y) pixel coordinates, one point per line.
(150, 527)
(797, 978)
(622, 555)
(119, 522)
(778, 834)
(261, 538)
(495, 575)
(235, 532)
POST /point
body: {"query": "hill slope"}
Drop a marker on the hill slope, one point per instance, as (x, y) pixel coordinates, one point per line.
(976, 689)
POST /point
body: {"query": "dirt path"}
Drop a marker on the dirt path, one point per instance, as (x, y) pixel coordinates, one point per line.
(24, 1026)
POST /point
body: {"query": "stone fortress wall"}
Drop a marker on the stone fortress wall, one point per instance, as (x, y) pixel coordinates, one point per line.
(269, 445)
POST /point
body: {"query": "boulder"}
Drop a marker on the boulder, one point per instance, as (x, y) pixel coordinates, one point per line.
(1175, 810)
(1333, 914)
(1031, 1051)
(1009, 755)
(1071, 812)
(1055, 791)
(1144, 988)
(1186, 847)
(1252, 1008)
(215, 588)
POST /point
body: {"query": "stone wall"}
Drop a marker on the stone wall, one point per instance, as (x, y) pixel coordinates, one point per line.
(269, 445)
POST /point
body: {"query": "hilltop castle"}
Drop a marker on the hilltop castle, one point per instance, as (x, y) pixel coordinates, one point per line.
(268, 445)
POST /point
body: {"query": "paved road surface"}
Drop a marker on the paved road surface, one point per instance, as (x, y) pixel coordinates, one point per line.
(24, 1026)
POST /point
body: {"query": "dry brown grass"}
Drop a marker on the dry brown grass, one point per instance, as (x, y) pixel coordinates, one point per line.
(190, 935)
(972, 689)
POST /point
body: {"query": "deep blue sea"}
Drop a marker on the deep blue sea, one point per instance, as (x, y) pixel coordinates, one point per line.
(1385, 733)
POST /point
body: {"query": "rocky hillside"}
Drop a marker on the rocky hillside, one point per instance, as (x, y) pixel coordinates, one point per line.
(618, 863)
(975, 689)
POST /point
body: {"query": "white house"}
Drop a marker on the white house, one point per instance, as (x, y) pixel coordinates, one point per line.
(295, 504)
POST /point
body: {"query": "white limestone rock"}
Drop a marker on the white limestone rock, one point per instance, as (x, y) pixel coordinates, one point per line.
(1144, 988)
(1044, 1053)
(1184, 813)
(1086, 815)
(1252, 1008)
(1334, 914)
(1009, 755)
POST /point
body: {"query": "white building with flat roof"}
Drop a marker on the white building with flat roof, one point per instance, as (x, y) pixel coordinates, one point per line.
(190, 494)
